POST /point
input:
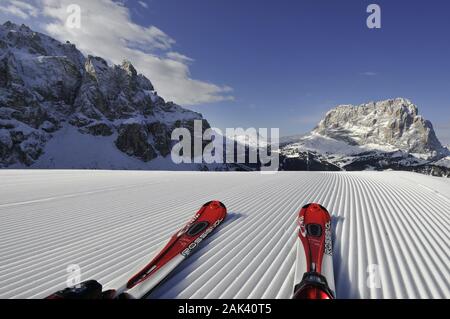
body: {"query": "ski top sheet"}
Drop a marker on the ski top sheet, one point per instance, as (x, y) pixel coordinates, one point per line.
(314, 275)
(176, 250)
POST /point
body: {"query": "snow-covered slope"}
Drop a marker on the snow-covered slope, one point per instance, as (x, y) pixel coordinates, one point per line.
(110, 223)
(71, 149)
(48, 89)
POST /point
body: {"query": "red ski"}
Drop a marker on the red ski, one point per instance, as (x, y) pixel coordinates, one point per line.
(176, 250)
(314, 276)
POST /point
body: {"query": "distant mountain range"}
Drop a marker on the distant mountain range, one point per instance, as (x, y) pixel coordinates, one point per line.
(60, 109)
(374, 136)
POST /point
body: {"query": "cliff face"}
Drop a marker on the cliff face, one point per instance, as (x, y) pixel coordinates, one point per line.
(374, 136)
(393, 123)
(46, 85)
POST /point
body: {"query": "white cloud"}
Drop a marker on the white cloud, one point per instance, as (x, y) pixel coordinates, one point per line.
(143, 4)
(19, 9)
(32, 11)
(108, 31)
(13, 11)
(179, 57)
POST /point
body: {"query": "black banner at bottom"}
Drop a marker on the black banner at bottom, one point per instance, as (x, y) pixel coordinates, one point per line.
(205, 309)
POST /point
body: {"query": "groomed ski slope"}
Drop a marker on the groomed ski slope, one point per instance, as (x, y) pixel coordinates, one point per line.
(110, 223)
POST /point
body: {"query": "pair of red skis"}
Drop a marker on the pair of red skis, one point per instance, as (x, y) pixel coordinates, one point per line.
(314, 267)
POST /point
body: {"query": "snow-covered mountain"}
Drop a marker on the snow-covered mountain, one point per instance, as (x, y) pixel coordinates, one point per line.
(378, 135)
(60, 109)
(391, 125)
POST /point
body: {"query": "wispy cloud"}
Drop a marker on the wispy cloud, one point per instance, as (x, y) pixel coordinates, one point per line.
(143, 4)
(19, 9)
(107, 30)
(179, 57)
(369, 73)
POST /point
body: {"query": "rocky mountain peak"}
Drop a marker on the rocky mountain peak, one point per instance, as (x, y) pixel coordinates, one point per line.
(8, 25)
(129, 68)
(394, 122)
(384, 135)
(48, 88)
(95, 65)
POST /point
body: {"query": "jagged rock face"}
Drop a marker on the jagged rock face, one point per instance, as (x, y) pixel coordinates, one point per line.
(99, 129)
(133, 140)
(45, 85)
(393, 122)
(161, 135)
(117, 92)
(375, 136)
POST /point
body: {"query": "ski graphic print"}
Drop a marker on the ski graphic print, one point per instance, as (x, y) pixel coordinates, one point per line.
(314, 275)
(179, 247)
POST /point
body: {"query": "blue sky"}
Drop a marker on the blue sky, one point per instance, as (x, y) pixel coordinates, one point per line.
(258, 63)
(290, 61)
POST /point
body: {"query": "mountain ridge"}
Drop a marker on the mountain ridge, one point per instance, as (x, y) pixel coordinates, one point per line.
(381, 135)
(395, 122)
(46, 85)
(55, 100)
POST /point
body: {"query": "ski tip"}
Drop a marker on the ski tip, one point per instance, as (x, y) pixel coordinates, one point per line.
(215, 204)
(215, 207)
(314, 206)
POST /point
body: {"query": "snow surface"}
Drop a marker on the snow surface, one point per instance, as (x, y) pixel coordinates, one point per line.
(443, 162)
(110, 223)
(71, 149)
(325, 145)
